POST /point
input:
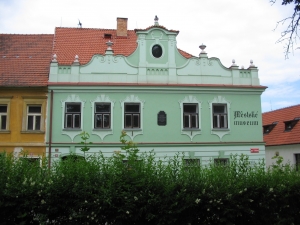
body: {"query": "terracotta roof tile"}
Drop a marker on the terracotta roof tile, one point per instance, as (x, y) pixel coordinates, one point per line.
(86, 42)
(278, 135)
(25, 59)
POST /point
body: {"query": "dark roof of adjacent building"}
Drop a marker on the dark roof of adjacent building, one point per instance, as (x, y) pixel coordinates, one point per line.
(86, 42)
(278, 120)
(25, 59)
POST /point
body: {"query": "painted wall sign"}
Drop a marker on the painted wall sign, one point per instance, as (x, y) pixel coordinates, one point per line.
(254, 150)
(243, 118)
(161, 118)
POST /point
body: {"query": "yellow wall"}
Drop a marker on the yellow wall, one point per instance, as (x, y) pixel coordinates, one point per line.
(16, 138)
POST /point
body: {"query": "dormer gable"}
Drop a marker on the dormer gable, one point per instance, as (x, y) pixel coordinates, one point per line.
(289, 125)
(268, 128)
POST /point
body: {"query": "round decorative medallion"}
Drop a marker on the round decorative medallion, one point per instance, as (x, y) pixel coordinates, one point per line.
(156, 51)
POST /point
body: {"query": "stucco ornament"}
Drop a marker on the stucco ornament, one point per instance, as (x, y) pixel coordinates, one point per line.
(102, 133)
(72, 133)
(134, 131)
(190, 132)
(220, 132)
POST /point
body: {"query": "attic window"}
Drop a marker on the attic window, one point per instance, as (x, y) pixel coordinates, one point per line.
(268, 128)
(107, 36)
(290, 124)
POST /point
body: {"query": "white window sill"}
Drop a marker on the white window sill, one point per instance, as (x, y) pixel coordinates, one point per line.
(191, 129)
(72, 129)
(220, 129)
(5, 131)
(32, 132)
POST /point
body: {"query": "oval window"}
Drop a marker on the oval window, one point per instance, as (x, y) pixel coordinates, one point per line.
(156, 51)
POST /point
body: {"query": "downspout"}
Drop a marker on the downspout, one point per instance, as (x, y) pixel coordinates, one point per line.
(50, 128)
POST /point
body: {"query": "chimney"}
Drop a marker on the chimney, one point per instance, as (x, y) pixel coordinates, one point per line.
(122, 27)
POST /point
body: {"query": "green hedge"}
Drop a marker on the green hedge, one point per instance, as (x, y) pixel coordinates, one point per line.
(143, 190)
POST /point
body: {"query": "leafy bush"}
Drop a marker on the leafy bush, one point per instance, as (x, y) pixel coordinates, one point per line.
(135, 188)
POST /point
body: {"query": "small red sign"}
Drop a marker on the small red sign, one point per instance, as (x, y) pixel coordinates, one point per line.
(254, 150)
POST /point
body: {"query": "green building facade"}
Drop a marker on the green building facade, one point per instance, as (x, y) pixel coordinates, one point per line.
(165, 99)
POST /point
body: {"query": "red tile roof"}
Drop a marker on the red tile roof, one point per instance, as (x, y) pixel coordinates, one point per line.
(278, 135)
(86, 42)
(25, 59)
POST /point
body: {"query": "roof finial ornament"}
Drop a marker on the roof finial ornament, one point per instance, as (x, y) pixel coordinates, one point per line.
(54, 58)
(76, 60)
(251, 63)
(156, 21)
(202, 47)
(233, 63)
(109, 44)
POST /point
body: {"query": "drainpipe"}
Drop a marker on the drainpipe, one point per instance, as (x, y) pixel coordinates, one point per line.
(50, 129)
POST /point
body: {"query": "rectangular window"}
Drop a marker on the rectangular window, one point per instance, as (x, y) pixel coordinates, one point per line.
(132, 115)
(73, 115)
(190, 116)
(219, 116)
(3, 117)
(297, 160)
(191, 162)
(102, 115)
(221, 161)
(34, 117)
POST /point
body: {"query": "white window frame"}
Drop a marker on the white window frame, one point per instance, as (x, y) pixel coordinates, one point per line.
(103, 132)
(219, 117)
(5, 100)
(220, 132)
(72, 132)
(132, 132)
(191, 132)
(102, 114)
(132, 116)
(2, 115)
(34, 101)
(34, 115)
(73, 116)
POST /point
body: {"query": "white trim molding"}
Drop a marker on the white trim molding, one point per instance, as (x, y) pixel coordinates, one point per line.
(133, 132)
(220, 132)
(102, 133)
(192, 132)
(72, 133)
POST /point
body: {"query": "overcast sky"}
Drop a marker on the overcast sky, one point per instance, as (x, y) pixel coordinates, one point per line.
(231, 29)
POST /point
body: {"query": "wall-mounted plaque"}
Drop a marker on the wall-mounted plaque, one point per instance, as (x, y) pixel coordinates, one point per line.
(161, 118)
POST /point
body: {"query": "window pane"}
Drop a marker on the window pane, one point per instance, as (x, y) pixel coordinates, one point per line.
(194, 121)
(186, 122)
(136, 121)
(37, 122)
(3, 108)
(34, 109)
(219, 109)
(72, 107)
(98, 121)
(128, 120)
(3, 122)
(76, 121)
(106, 121)
(68, 122)
(102, 108)
(223, 122)
(190, 108)
(215, 122)
(132, 107)
(30, 123)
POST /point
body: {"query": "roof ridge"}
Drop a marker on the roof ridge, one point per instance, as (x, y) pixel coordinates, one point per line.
(282, 108)
(91, 28)
(24, 34)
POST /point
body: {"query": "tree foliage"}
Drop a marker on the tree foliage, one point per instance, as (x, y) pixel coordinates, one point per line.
(290, 34)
